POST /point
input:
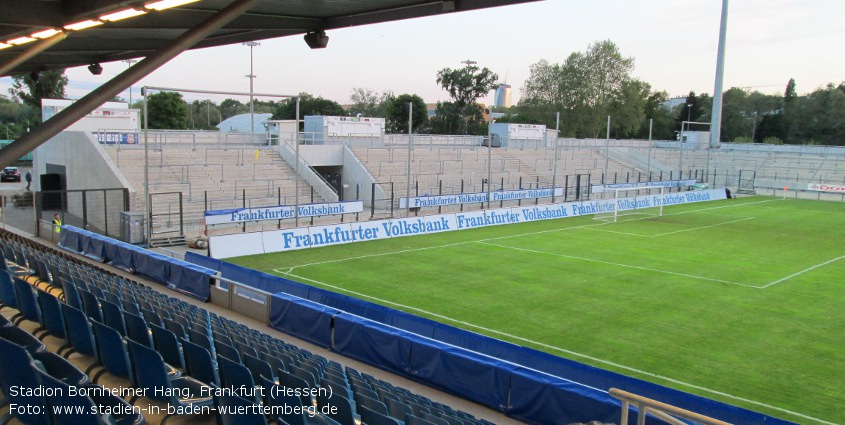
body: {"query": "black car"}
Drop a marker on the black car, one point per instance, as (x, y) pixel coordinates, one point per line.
(10, 174)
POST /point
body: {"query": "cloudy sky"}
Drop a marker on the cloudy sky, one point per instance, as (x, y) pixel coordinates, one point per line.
(673, 43)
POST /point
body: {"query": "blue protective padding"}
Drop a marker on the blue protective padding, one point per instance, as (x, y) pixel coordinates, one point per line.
(121, 255)
(373, 343)
(203, 260)
(481, 379)
(541, 399)
(183, 276)
(69, 239)
(303, 319)
(152, 265)
(191, 279)
(94, 246)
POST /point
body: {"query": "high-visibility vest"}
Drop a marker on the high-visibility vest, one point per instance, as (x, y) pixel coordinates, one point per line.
(57, 223)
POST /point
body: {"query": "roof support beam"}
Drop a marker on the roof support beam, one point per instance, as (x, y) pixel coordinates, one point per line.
(113, 87)
(31, 52)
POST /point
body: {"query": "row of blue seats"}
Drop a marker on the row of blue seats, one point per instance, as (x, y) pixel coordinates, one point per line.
(212, 349)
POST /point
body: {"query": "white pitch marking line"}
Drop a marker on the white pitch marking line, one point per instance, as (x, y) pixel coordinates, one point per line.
(691, 276)
(563, 350)
(703, 227)
(796, 274)
(290, 269)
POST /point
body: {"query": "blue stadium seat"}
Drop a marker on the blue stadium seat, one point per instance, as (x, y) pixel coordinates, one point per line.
(113, 316)
(18, 369)
(150, 373)
(167, 344)
(79, 333)
(341, 407)
(236, 375)
(259, 367)
(199, 363)
(52, 319)
(137, 329)
(371, 417)
(22, 338)
(284, 402)
(111, 351)
(233, 403)
(28, 304)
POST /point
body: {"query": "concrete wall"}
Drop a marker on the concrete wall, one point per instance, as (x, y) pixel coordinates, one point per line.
(322, 155)
(86, 164)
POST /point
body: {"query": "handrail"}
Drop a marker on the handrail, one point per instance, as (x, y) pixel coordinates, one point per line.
(662, 410)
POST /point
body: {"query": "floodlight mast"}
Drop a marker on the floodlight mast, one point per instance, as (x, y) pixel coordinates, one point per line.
(716, 113)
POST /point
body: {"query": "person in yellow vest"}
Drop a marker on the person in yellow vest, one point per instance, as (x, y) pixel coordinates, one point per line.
(57, 223)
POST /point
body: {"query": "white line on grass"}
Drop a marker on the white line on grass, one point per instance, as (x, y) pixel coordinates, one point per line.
(573, 257)
(339, 260)
(559, 349)
(703, 227)
(808, 269)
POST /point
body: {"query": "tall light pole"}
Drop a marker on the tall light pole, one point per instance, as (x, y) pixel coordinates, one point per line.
(716, 114)
(689, 113)
(129, 63)
(251, 77)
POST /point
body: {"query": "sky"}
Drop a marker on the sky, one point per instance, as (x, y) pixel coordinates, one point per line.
(673, 43)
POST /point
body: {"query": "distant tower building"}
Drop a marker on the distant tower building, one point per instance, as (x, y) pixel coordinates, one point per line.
(503, 96)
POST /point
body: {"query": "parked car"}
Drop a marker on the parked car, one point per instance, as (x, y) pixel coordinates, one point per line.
(10, 174)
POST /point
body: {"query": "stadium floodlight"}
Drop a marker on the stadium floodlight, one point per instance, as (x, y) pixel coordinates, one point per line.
(21, 40)
(46, 33)
(4, 46)
(123, 14)
(82, 25)
(647, 201)
(168, 4)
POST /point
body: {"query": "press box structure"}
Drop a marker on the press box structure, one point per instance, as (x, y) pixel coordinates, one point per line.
(505, 134)
(321, 128)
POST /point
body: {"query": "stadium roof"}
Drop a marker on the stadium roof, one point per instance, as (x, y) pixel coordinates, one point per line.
(142, 35)
(37, 35)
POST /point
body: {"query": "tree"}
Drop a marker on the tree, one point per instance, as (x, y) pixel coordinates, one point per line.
(465, 85)
(15, 118)
(308, 105)
(586, 88)
(31, 88)
(231, 107)
(660, 116)
(396, 113)
(167, 110)
(369, 103)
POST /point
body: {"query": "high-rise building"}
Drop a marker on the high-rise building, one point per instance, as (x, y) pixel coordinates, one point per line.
(503, 96)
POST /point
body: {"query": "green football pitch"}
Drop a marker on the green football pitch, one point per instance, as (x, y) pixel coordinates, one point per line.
(741, 300)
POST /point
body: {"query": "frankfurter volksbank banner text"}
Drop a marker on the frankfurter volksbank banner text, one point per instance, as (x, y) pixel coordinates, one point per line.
(600, 188)
(472, 198)
(239, 244)
(281, 212)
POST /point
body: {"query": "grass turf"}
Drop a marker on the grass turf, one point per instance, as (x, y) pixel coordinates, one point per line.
(738, 300)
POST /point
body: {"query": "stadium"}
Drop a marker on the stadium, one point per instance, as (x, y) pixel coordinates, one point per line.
(342, 274)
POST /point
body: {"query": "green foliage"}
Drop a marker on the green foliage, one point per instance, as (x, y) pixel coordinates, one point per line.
(743, 139)
(31, 88)
(586, 88)
(204, 115)
(308, 105)
(772, 141)
(16, 118)
(396, 113)
(450, 119)
(368, 103)
(231, 107)
(464, 85)
(167, 111)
